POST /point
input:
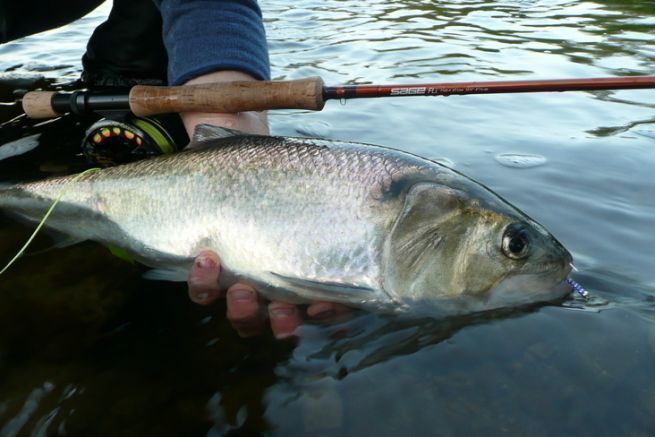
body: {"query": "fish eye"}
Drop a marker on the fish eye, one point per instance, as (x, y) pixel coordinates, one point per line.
(516, 243)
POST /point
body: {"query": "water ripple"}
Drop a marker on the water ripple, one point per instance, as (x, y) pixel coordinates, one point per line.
(595, 195)
(422, 39)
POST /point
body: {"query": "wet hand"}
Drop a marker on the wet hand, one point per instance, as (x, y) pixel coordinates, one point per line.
(246, 310)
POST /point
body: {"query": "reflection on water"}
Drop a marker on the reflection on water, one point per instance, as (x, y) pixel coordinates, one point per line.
(413, 39)
(87, 346)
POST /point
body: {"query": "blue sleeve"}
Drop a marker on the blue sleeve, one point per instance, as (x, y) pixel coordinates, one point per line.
(202, 36)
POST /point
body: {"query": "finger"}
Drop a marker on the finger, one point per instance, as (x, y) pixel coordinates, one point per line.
(327, 310)
(243, 310)
(285, 319)
(203, 278)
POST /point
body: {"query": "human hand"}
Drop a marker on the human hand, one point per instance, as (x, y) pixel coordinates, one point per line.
(246, 310)
(251, 121)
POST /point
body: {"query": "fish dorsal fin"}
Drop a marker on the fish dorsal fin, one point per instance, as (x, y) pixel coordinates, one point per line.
(205, 132)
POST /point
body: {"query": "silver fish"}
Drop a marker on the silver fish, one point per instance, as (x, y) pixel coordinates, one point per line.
(313, 220)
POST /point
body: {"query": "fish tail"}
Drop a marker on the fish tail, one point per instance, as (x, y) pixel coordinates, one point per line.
(46, 193)
(9, 195)
(12, 196)
(5, 190)
(20, 204)
(6, 199)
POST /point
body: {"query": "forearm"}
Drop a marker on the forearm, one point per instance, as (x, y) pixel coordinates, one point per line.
(204, 36)
(216, 41)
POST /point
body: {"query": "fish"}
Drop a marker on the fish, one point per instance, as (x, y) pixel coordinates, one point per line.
(306, 219)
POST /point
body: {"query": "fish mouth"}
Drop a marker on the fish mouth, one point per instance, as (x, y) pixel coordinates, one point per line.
(554, 269)
(543, 285)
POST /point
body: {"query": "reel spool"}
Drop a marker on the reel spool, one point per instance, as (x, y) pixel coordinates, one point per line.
(110, 142)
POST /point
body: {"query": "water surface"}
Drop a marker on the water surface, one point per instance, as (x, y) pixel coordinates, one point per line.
(87, 346)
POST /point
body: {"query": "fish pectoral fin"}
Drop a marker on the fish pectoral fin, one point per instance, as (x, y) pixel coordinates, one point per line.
(173, 274)
(325, 291)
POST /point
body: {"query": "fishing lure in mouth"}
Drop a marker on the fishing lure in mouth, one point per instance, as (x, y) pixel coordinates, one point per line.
(577, 288)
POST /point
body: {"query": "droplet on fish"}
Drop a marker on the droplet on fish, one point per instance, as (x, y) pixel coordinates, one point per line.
(517, 160)
(320, 129)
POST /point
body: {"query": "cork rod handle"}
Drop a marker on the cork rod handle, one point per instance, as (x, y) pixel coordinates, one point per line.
(228, 97)
(38, 104)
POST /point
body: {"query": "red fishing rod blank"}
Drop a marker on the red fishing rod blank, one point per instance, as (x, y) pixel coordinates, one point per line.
(492, 87)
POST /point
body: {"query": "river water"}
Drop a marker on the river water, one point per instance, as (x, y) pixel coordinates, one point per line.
(88, 347)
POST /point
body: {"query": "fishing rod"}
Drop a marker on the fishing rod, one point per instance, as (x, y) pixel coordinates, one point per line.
(309, 94)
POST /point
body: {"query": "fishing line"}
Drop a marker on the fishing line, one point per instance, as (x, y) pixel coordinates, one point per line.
(61, 194)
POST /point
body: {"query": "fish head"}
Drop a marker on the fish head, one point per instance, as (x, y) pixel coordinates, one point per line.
(466, 250)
